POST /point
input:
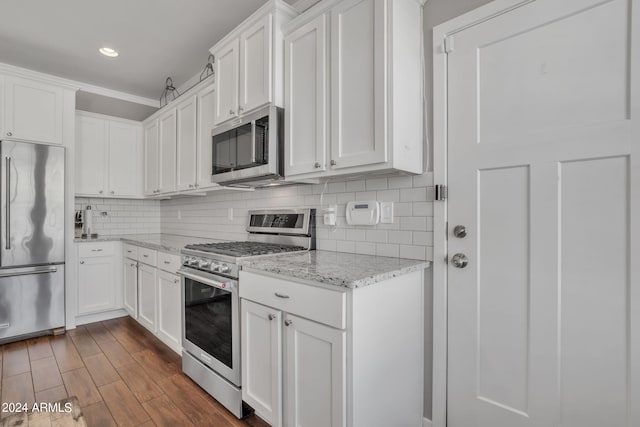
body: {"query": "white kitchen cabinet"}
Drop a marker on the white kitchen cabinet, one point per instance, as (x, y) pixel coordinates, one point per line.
(256, 56)
(151, 158)
(206, 121)
(131, 286)
(124, 159)
(186, 116)
(147, 297)
(249, 63)
(297, 339)
(374, 93)
(108, 156)
(33, 110)
(227, 67)
(167, 141)
(315, 372)
(262, 360)
(90, 156)
(169, 310)
(306, 77)
(97, 284)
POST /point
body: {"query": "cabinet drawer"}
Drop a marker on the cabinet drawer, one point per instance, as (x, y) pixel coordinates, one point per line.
(147, 256)
(315, 303)
(168, 262)
(131, 251)
(96, 249)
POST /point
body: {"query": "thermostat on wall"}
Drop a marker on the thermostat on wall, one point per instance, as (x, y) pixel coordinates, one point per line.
(363, 213)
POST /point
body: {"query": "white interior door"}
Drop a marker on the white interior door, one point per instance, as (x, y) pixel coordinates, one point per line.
(543, 321)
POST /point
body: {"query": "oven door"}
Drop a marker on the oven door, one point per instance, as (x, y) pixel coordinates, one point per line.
(211, 321)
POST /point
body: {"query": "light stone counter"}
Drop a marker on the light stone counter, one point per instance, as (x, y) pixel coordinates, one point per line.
(334, 268)
(170, 243)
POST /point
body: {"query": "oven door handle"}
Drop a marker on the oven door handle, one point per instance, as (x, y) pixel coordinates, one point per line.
(226, 286)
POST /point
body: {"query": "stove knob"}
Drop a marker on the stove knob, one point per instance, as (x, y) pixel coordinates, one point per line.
(224, 268)
(203, 263)
(215, 266)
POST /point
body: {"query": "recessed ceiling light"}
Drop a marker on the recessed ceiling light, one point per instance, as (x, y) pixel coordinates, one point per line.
(107, 51)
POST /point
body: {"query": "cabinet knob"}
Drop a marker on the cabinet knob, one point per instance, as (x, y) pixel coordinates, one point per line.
(283, 296)
(196, 185)
(190, 185)
(272, 316)
(176, 281)
(133, 265)
(317, 165)
(81, 262)
(231, 112)
(9, 134)
(240, 109)
(333, 163)
(288, 322)
(113, 192)
(100, 191)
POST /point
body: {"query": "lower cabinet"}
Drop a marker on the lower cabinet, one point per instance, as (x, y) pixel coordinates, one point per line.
(169, 312)
(98, 287)
(314, 368)
(297, 339)
(147, 300)
(152, 292)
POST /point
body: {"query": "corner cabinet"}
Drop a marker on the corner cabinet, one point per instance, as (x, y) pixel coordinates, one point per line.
(320, 355)
(108, 155)
(249, 63)
(354, 89)
(33, 110)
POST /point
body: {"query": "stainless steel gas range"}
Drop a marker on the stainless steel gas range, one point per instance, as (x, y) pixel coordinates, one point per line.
(211, 310)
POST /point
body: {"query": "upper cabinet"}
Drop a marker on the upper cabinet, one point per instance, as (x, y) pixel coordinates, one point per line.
(248, 62)
(354, 89)
(186, 113)
(33, 110)
(167, 141)
(108, 155)
(151, 158)
(205, 122)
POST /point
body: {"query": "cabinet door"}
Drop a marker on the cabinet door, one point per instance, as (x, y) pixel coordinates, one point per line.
(151, 158)
(169, 310)
(306, 98)
(186, 151)
(358, 75)
(96, 285)
(262, 360)
(206, 116)
(90, 156)
(32, 110)
(226, 81)
(256, 65)
(167, 138)
(147, 297)
(123, 159)
(316, 359)
(131, 287)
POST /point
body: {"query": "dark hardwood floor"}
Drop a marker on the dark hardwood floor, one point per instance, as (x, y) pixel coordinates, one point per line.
(121, 374)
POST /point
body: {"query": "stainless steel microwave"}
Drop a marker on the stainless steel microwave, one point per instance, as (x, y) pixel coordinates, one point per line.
(249, 151)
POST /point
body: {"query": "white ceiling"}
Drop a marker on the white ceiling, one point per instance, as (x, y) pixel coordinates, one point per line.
(155, 38)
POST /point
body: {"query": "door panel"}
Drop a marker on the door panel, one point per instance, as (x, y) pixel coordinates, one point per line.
(90, 151)
(151, 158)
(124, 163)
(227, 81)
(167, 138)
(255, 65)
(186, 150)
(539, 154)
(205, 122)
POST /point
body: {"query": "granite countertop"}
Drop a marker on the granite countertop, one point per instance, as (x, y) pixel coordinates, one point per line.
(170, 243)
(335, 268)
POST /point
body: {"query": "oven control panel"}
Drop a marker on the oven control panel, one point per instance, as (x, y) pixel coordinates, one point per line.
(207, 264)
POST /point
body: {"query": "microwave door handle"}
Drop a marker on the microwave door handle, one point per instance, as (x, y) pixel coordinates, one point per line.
(253, 142)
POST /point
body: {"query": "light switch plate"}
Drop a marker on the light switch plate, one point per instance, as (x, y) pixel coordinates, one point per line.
(386, 212)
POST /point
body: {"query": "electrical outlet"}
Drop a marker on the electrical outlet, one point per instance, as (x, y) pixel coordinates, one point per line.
(230, 214)
(179, 214)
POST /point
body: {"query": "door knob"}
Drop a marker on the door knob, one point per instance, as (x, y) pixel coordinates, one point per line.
(459, 231)
(333, 163)
(317, 165)
(288, 322)
(459, 260)
(272, 316)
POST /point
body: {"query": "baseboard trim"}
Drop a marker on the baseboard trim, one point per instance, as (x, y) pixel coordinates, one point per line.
(426, 423)
(99, 317)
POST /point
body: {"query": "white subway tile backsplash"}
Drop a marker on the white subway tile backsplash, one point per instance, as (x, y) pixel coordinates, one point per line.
(409, 236)
(122, 216)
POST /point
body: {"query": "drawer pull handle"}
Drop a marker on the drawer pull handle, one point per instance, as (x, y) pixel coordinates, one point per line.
(81, 262)
(167, 262)
(146, 256)
(272, 316)
(96, 250)
(4, 325)
(279, 295)
(288, 322)
(129, 252)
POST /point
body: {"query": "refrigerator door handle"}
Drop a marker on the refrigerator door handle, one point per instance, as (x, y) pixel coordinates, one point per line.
(7, 214)
(28, 271)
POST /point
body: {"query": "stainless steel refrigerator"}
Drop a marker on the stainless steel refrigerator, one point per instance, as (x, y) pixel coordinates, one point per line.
(32, 239)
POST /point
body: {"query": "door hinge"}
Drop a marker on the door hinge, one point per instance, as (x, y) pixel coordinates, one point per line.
(448, 44)
(441, 193)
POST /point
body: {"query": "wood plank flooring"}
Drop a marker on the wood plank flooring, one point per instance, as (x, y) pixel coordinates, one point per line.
(121, 374)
